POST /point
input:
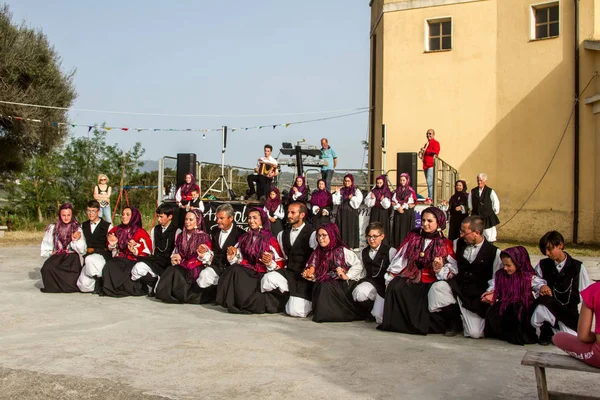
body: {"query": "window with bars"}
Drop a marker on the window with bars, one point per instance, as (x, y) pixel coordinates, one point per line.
(545, 21)
(439, 34)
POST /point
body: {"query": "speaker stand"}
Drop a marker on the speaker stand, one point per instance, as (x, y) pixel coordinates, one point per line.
(221, 177)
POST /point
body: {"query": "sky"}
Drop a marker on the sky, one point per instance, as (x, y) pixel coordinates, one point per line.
(214, 57)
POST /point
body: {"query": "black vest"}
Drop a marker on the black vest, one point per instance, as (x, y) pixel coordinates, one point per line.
(220, 254)
(97, 239)
(299, 253)
(564, 284)
(473, 277)
(482, 206)
(164, 242)
(378, 266)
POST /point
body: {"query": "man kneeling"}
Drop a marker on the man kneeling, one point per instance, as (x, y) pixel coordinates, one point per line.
(478, 260)
(297, 243)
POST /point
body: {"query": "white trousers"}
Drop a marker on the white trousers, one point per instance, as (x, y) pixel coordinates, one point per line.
(440, 295)
(377, 311)
(208, 277)
(541, 314)
(295, 306)
(490, 234)
(141, 269)
(364, 292)
(92, 267)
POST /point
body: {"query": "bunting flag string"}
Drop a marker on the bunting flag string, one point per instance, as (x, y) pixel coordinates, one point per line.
(122, 128)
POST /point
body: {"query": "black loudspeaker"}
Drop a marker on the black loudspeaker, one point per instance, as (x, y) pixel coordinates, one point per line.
(186, 163)
(407, 163)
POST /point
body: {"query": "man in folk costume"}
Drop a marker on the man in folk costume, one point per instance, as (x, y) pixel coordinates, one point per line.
(557, 308)
(484, 202)
(478, 260)
(224, 235)
(163, 242)
(297, 243)
(95, 230)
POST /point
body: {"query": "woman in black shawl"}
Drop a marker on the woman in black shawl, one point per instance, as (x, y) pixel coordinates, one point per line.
(458, 208)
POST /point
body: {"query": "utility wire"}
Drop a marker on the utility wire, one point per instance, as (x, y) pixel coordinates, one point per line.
(575, 104)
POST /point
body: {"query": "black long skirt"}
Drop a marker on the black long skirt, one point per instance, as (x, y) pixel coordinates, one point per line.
(239, 292)
(508, 326)
(332, 302)
(403, 223)
(117, 281)
(406, 309)
(177, 286)
(347, 222)
(60, 273)
(456, 219)
(382, 215)
(276, 227)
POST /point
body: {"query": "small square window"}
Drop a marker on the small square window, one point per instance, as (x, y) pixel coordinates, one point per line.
(545, 22)
(439, 34)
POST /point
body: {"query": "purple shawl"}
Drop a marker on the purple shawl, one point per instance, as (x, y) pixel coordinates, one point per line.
(404, 192)
(515, 288)
(187, 245)
(383, 192)
(272, 204)
(412, 246)
(321, 198)
(347, 191)
(327, 259)
(302, 189)
(63, 233)
(126, 232)
(186, 188)
(254, 243)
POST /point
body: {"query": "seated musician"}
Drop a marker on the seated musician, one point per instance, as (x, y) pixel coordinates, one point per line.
(266, 170)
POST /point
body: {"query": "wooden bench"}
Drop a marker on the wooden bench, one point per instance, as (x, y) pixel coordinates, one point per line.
(540, 361)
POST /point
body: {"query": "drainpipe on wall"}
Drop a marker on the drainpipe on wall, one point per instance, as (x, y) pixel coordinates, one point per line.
(576, 125)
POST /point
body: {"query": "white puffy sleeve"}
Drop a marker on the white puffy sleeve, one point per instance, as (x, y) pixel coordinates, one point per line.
(369, 201)
(48, 242)
(356, 199)
(337, 198)
(356, 270)
(79, 246)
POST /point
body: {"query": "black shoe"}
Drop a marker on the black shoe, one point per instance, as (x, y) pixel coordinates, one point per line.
(370, 318)
(451, 331)
(546, 334)
(98, 287)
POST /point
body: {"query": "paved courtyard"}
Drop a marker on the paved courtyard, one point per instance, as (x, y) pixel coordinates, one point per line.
(81, 346)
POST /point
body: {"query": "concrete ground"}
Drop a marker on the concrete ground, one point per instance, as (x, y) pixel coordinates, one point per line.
(81, 346)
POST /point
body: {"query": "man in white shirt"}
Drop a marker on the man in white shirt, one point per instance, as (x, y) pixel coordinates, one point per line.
(478, 260)
(266, 170)
(484, 202)
(95, 230)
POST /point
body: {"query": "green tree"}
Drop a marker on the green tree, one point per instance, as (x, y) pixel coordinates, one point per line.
(38, 191)
(30, 72)
(84, 158)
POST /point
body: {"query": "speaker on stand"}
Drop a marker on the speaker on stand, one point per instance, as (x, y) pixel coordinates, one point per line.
(407, 163)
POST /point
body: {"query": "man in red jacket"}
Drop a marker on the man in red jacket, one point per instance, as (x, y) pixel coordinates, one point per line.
(428, 154)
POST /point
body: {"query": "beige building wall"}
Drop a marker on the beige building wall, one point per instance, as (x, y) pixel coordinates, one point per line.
(499, 103)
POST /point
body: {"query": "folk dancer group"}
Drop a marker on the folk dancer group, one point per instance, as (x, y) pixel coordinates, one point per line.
(428, 284)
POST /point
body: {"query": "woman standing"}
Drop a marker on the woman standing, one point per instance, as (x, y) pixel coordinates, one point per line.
(183, 197)
(256, 253)
(64, 245)
(379, 201)
(298, 191)
(348, 200)
(274, 210)
(321, 205)
(192, 253)
(425, 257)
(102, 194)
(458, 208)
(403, 203)
(336, 270)
(128, 242)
